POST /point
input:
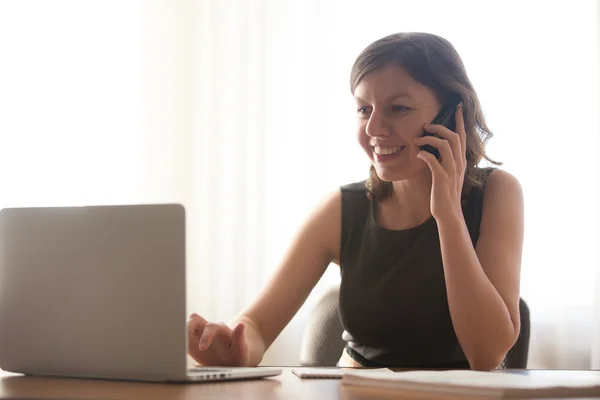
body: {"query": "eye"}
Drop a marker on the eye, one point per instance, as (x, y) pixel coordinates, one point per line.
(399, 109)
(363, 110)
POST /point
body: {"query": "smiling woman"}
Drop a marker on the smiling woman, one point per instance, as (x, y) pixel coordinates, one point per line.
(271, 84)
(431, 75)
(394, 108)
(425, 256)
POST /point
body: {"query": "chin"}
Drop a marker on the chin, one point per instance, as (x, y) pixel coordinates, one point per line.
(388, 175)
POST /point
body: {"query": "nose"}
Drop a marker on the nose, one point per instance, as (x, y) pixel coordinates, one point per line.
(377, 126)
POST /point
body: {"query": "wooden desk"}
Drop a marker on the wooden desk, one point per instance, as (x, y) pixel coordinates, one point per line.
(285, 386)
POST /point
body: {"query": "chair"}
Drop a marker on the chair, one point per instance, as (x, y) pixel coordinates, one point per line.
(322, 342)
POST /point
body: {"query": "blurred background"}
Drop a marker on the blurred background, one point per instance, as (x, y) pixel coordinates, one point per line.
(241, 110)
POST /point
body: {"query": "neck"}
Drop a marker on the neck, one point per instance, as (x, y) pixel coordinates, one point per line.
(414, 194)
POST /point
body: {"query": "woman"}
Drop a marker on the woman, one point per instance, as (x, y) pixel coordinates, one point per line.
(429, 246)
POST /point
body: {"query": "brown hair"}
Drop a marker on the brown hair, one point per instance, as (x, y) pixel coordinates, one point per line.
(432, 61)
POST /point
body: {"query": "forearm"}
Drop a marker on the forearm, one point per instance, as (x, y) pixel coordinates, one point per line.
(480, 316)
(256, 344)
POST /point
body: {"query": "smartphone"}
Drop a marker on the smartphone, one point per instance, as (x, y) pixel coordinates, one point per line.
(447, 118)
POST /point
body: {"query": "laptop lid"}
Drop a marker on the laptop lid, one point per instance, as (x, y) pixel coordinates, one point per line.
(94, 291)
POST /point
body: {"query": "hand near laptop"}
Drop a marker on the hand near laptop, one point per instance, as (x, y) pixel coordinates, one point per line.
(212, 343)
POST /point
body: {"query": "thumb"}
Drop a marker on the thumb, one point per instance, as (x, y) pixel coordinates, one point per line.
(238, 333)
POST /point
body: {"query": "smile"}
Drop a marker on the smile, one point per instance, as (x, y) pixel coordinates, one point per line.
(386, 151)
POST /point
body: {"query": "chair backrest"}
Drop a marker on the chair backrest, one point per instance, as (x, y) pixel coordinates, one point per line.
(322, 342)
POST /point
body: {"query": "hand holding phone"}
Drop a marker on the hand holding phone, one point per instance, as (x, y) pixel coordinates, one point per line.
(445, 117)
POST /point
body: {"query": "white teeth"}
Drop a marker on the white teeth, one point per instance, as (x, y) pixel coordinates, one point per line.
(384, 151)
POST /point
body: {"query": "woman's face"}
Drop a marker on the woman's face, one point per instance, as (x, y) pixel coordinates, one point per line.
(392, 109)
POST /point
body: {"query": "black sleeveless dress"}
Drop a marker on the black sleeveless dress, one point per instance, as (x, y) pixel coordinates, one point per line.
(393, 303)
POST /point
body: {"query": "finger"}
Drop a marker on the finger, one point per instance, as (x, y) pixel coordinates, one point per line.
(452, 137)
(210, 331)
(197, 319)
(238, 333)
(432, 162)
(447, 159)
(196, 325)
(193, 338)
(461, 130)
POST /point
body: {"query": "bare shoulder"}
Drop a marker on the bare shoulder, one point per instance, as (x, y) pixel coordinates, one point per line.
(502, 198)
(502, 203)
(331, 204)
(503, 182)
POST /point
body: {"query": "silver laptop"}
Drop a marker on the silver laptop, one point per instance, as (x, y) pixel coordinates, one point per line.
(98, 292)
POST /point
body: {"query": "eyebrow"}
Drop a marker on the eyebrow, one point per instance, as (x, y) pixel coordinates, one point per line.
(392, 97)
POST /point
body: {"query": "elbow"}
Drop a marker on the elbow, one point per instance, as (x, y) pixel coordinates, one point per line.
(490, 358)
(487, 363)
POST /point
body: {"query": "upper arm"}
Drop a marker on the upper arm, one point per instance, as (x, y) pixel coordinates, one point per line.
(500, 243)
(315, 246)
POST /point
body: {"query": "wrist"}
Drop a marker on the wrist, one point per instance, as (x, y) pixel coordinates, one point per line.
(254, 341)
(256, 351)
(453, 220)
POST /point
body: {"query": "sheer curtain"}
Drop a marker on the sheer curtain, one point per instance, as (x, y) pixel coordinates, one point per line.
(241, 111)
(70, 110)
